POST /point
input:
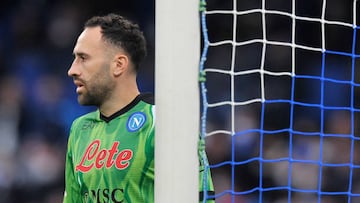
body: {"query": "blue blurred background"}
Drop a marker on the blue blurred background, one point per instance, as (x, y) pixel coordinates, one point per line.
(37, 100)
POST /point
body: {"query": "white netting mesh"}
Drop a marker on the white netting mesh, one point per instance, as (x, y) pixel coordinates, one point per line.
(280, 90)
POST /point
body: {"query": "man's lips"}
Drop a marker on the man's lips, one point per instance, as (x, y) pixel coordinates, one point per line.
(78, 83)
(79, 86)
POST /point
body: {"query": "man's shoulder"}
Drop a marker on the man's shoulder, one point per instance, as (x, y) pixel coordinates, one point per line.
(88, 117)
(147, 98)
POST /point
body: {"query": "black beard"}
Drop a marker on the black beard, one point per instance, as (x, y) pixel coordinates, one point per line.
(98, 89)
(95, 96)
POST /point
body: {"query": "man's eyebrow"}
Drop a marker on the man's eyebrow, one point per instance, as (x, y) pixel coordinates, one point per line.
(80, 54)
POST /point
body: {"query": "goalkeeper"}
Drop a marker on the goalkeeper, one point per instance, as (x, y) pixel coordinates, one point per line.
(110, 154)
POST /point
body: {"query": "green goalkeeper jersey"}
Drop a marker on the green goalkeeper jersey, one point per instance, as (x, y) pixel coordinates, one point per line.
(111, 159)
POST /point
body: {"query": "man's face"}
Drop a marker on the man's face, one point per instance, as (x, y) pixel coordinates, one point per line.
(91, 68)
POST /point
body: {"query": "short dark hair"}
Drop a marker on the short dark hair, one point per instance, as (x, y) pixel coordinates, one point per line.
(122, 33)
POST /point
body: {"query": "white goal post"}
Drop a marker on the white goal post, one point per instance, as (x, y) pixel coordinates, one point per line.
(177, 53)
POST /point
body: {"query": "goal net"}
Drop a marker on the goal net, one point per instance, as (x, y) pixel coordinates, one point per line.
(280, 90)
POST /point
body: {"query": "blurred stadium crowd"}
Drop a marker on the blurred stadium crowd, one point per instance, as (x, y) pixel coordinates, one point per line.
(37, 99)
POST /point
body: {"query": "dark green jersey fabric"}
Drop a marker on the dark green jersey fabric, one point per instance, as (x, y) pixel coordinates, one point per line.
(111, 159)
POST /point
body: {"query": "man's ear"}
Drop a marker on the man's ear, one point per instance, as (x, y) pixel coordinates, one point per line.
(121, 63)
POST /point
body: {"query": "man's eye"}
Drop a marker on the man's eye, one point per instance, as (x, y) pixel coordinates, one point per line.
(82, 58)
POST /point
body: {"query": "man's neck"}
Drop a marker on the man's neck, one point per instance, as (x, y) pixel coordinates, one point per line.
(118, 101)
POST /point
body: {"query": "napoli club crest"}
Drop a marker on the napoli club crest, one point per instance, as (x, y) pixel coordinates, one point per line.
(136, 121)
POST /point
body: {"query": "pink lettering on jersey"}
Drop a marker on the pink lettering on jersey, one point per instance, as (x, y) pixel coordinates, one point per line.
(98, 158)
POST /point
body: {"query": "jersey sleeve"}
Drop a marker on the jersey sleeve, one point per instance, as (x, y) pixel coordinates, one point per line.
(72, 189)
(205, 179)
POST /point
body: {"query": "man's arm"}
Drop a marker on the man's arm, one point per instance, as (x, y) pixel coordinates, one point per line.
(205, 179)
(72, 192)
